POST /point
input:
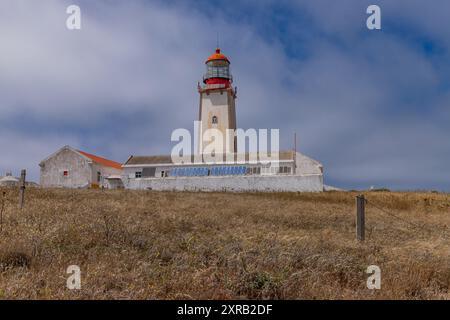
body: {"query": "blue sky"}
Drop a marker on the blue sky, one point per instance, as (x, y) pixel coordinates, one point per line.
(372, 106)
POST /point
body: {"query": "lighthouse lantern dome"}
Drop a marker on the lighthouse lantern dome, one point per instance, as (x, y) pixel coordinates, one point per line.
(218, 69)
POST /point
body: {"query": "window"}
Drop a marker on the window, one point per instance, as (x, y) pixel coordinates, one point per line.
(138, 174)
(65, 173)
(267, 170)
(148, 172)
(99, 176)
(215, 120)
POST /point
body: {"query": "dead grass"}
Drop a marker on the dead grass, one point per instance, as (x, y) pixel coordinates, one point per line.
(155, 245)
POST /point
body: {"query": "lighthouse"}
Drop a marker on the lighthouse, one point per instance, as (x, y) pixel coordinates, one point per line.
(217, 109)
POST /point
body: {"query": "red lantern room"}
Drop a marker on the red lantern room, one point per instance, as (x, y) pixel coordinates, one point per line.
(218, 70)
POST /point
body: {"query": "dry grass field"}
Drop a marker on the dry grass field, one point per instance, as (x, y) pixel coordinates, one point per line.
(155, 245)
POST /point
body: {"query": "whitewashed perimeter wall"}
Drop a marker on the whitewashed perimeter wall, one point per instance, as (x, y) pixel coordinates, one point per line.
(295, 183)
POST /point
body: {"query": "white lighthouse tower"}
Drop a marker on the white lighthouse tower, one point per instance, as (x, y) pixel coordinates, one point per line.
(217, 108)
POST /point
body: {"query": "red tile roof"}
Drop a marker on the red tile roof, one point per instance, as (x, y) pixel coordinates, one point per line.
(102, 161)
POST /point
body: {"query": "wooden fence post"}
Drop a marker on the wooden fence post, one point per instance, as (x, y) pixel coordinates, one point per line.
(22, 188)
(360, 217)
(1, 211)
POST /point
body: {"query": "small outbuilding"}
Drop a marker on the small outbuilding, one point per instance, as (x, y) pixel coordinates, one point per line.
(9, 181)
(71, 168)
(113, 182)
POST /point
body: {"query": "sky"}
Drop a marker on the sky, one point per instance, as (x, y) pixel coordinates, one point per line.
(373, 106)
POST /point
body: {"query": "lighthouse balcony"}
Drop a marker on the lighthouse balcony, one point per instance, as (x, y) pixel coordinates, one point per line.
(217, 86)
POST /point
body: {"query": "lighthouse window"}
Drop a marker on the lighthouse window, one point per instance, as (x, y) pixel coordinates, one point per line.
(214, 120)
(218, 72)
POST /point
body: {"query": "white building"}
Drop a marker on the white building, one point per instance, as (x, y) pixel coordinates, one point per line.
(292, 172)
(231, 171)
(71, 168)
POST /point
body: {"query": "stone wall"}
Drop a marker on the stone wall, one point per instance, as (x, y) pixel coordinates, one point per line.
(299, 183)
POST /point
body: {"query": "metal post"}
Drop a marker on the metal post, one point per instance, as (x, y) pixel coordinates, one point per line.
(22, 188)
(360, 217)
(295, 153)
